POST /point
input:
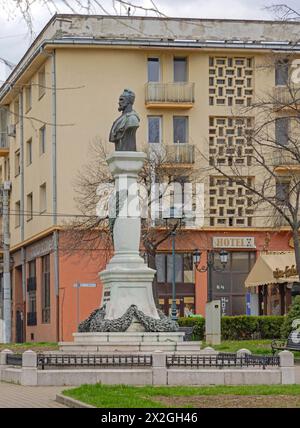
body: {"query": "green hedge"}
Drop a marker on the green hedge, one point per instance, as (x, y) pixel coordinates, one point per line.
(239, 327)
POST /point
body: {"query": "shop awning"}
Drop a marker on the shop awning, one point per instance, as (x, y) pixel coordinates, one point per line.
(273, 268)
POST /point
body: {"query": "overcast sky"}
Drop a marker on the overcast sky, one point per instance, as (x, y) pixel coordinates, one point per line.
(14, 37)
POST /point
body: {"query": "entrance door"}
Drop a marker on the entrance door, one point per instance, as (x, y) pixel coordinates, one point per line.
(19, 327)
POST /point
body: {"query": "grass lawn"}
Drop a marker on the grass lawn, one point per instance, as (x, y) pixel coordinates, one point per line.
(255, 346)
(122, 396)
(34, 346)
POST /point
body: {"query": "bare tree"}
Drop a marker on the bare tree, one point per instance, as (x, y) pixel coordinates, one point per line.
(91, 230)
(284, 12)
(118, 7)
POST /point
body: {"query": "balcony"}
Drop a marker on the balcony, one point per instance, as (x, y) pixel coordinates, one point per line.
(179, 154)
(286, 97)
(4, 147)
(284, 162)
(169, 95)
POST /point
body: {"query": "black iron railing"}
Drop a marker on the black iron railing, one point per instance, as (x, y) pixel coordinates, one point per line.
(14, 359)
(222, 360)
(92, 360)
(31, 284)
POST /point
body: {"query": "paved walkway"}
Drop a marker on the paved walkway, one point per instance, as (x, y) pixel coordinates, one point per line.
(28, 396)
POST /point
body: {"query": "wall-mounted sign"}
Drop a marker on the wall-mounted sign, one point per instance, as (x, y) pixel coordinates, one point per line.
(234, 242)
(286, 273)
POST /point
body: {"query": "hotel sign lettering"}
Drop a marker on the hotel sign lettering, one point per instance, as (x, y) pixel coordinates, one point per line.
(286, 273)
(233, 242)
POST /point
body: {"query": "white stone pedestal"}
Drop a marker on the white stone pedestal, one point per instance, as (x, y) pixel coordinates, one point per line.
(127, 280)
(213, 322)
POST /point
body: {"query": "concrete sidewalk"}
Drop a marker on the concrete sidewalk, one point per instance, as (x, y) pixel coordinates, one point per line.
(17, 396)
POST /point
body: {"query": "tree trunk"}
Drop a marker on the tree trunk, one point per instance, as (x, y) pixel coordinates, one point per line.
(297, 249)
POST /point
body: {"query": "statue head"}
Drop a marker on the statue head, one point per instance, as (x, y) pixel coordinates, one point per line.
(126, 99)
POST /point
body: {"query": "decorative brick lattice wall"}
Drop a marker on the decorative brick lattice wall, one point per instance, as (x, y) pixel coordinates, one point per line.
(230, 204)
(228, 141)
(230, 81)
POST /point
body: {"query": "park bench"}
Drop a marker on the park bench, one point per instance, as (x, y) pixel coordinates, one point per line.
(286, 345)
(188, 333)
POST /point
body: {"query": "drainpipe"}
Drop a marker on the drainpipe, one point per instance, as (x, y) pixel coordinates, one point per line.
(54, 187)
(22, 207)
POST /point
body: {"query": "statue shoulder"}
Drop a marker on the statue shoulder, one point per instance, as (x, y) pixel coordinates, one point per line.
(133, 118)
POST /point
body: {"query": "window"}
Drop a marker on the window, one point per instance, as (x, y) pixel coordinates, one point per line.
(180, 129)
(32, 269)
(31, 290)
(154, 129)
(42, 82)
(184, 271)
(282, 131)
(281, 72)
(29, 152)
(180, 69)
(29, 207)
(42, 139)
(31, 314)
(3, 127)
(282, 192)
(46, 289)
(18, 213)
(28, 97)
(43, 198)
(17, 163)
(153, 70)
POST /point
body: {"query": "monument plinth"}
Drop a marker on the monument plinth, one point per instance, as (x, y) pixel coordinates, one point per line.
(127, 280)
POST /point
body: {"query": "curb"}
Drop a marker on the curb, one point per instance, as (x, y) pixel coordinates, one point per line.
(71, 402)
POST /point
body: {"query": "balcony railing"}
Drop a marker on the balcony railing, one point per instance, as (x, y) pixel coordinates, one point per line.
(170, 93)
(178, 153)
(283, 157)
(3, 140)
(287, 96)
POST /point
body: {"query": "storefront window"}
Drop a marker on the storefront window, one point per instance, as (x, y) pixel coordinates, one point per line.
(185, 283)
(229, 286)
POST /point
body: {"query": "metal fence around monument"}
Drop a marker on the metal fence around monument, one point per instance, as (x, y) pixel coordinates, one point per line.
(92, 361)
(222, 361)
(14, 359)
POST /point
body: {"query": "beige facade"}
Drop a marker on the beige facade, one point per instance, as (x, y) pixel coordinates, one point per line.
(63, 95)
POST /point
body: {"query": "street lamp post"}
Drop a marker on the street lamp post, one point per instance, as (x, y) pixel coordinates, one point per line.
(210, 266)
(174, 307)
(212, 310)
(173, 219)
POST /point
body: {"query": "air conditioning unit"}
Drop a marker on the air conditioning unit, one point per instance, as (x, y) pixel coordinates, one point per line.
(11, 130)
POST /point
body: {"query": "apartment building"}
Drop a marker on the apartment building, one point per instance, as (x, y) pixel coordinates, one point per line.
(193, 79)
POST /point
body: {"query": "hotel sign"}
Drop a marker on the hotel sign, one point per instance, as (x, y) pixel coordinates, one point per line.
(233, 242)
(286, 273)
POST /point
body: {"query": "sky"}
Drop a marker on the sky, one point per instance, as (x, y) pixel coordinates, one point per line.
(15, 38)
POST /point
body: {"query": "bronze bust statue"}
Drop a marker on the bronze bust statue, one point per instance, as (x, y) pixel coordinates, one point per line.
(123, 130)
